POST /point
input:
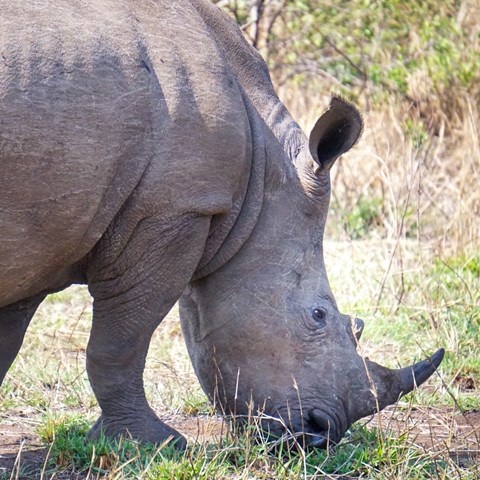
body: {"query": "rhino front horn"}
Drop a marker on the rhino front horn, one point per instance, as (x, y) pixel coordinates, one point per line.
(419, 372)
(391, 384)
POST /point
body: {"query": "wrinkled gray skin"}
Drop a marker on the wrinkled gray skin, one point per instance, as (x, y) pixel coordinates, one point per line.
(143, 152)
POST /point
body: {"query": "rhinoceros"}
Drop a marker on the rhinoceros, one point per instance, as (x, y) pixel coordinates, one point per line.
(145, 153)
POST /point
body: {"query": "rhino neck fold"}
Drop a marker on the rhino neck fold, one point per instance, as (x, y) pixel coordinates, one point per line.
(227, 237)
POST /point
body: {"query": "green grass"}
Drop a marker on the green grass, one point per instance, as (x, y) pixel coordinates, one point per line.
(442, 309)
(364, 453)
(70, 450)
(364, 219)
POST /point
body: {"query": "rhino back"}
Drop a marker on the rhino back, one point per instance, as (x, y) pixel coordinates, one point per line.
(99, 100)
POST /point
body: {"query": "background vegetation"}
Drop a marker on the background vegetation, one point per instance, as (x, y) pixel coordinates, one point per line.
(413, 69)
(402, 252)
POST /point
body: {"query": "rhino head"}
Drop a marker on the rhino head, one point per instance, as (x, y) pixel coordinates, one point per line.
(264, 331)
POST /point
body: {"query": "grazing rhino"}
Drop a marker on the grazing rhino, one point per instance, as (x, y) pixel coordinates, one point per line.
(144, 152)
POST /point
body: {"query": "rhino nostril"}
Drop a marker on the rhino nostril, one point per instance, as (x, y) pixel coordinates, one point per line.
(322, 429)
(319, 421)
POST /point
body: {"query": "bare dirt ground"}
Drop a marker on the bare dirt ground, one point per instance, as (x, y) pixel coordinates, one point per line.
(440, 431)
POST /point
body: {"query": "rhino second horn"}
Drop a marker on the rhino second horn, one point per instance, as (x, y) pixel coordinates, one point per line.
(358, 326)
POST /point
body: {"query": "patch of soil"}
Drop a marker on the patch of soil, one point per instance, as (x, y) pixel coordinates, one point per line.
(438, 430)
(20, 450)
(201, 428)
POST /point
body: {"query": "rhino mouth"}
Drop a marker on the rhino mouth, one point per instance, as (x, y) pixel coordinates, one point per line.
(318, 430)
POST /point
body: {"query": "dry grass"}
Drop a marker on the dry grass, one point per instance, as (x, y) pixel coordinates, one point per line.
(427, 183)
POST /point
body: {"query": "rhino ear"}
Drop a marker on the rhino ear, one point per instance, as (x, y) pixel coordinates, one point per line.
(335, 132)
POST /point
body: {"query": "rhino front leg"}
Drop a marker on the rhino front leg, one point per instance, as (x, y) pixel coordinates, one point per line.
(14, 320)
(132, 294)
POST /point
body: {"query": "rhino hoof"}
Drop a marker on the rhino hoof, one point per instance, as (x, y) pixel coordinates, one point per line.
(151, 430)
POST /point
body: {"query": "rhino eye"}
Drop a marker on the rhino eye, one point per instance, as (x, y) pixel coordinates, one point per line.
(320, 316)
